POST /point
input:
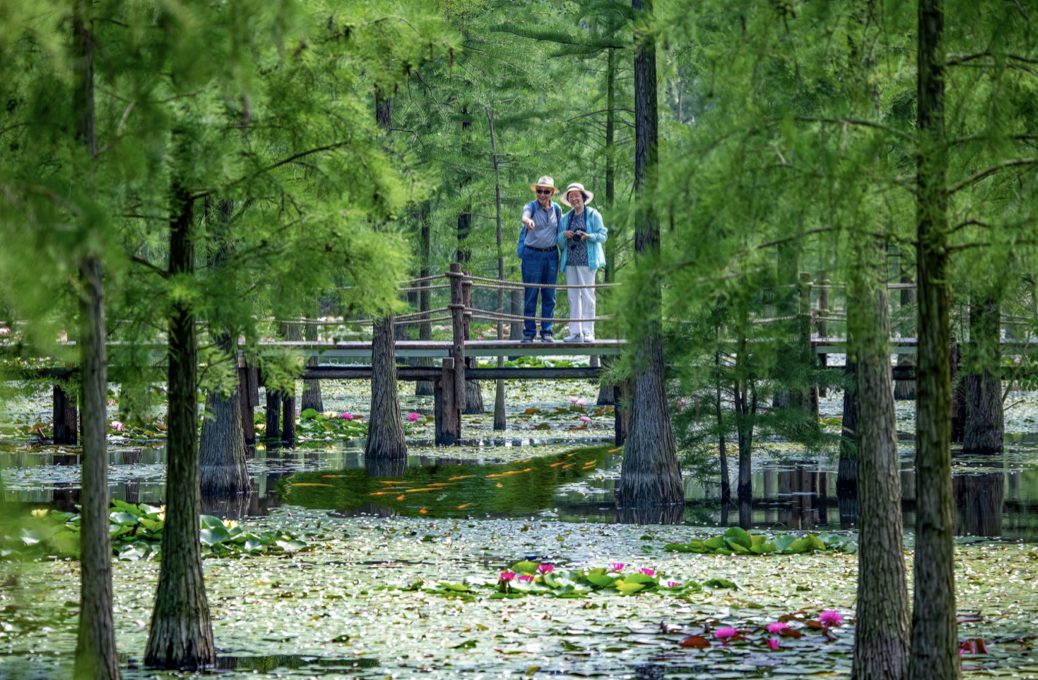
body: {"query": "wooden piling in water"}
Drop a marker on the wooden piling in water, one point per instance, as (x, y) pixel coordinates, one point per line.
(446, 412)
(66, 417)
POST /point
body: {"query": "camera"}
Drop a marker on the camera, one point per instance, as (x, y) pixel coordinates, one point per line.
(578, 236)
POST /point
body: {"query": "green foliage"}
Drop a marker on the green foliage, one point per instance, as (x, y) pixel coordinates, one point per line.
(136, 533)
(736, 541)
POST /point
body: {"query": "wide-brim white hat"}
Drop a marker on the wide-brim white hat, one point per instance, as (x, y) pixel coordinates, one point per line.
(576, 186)
(545, 181)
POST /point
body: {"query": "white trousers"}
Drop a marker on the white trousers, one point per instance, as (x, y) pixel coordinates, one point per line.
(581, 300)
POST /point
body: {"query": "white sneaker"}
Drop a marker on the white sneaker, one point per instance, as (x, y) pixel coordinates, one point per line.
(589, 338)
(573, 338)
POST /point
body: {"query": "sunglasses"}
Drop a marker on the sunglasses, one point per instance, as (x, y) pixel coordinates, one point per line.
(545, 191)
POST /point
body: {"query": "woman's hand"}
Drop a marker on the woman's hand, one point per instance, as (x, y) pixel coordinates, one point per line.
(568, 234)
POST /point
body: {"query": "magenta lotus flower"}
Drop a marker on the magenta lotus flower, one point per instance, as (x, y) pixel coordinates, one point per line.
(585, 419)
(773, 643)
(111, 402)
(616, 566)
(573, 400)
(545, 568)
(117, 426)
(647, 572)
(725, 634)
(830, 617)
(413, 417)
(346, 416)
(507, 576)
(525, 577)
(673, 584)
(581, 402)
(776, 628)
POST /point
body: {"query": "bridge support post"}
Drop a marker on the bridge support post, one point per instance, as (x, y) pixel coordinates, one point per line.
(445, 409)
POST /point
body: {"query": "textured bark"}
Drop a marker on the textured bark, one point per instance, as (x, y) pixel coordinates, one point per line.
(847, 473)
(881, 633)
(222, 456)
(650, 474)
(935, 641)
(385, 425)
(181, 632)
(473, 399)
(288, 397)
(424, 388)
(622, 411)
(745, 412)
(722, 435)
(605, 388)
(65, 417)
(273, 414)
(985, 420)
(312, 397)
(96, 656)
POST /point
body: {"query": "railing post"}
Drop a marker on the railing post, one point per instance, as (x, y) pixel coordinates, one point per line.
(457, 307)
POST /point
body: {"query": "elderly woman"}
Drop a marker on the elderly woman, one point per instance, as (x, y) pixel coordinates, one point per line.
(581, 235)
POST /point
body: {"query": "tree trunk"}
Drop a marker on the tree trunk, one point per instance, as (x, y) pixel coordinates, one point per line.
(722, 434)
(424, 388)
(499, 392)
(605, 388)
(221, 449)
(66, 417)
(181, 632)
(96, 656)
(273, 414)
(312, 397)
(935, 638)
(385, 426)
(847, 473)
(745, 413)
(985, 421)
(650, 474)
(288, 396)
(881, 633)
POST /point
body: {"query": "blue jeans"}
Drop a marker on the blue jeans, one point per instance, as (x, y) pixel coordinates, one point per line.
(543, 268)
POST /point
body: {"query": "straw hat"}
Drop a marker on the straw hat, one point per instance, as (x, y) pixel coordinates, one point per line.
(576, 186)
(545, 181)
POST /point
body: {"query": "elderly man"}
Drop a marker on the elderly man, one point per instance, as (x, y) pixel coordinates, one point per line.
(539, 251)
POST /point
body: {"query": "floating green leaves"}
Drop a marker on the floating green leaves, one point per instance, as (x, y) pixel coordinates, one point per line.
(136, 533)
(737, 541)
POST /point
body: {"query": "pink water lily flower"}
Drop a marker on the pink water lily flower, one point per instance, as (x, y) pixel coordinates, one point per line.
(346, 416)
(725, 634)
(776, 627)
(616, 566)
(117, 426)
(526, 577)
(413, 417)
(585, 419)
(647, 572)
(773, 643)
(830, 617)
(545, 568)
(573, 400)
(581, 402)
(507, 576)
(673, 584)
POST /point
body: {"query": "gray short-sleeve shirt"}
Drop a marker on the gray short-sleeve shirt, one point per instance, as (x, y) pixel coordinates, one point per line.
(545, 233)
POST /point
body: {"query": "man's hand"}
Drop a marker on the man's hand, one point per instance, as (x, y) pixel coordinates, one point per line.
(529, 222)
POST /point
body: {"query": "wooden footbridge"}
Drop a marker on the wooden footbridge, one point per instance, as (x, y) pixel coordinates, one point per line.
(450, 362)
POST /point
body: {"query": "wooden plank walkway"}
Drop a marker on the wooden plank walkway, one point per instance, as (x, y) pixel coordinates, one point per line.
(409, 349)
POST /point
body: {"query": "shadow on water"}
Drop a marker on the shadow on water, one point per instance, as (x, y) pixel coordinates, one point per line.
(266, 664)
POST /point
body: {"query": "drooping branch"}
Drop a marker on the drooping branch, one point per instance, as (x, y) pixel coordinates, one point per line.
(860, 122)
(987, 172)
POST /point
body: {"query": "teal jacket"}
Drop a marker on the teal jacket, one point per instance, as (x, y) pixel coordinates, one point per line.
(596, 236)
